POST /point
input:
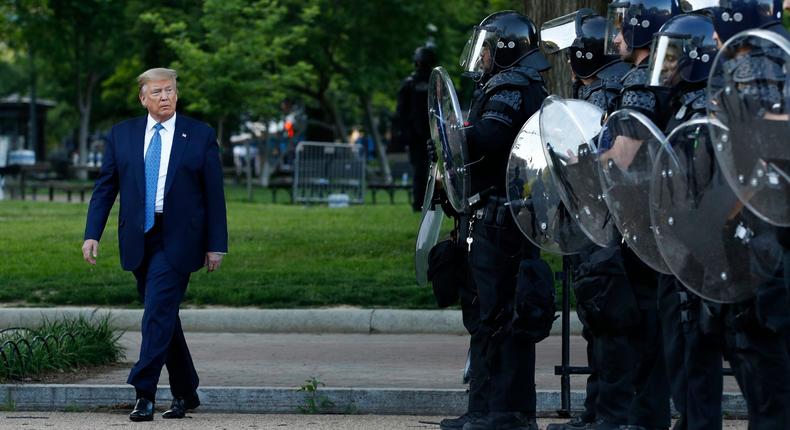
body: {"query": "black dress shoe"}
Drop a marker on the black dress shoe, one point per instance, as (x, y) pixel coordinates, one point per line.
(180, 406)
(177, 409)
(191, 401)
(143, 410)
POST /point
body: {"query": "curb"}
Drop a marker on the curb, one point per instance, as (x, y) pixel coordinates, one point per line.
(265, 400)
(234, 320)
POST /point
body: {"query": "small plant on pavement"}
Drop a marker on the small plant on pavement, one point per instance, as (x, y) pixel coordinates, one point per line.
(315, 403)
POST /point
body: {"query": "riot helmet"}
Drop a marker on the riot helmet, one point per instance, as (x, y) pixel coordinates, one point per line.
(501, 41)
(582, 33)
(631, 23)
(683, 50)
(424, 58)
(733, 16)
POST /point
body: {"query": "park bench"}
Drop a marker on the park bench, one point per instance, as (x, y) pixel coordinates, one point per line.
(69, 188)
(281, 183)
(389, 189)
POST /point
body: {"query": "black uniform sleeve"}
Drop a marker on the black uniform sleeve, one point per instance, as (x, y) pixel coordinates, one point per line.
(503, 115)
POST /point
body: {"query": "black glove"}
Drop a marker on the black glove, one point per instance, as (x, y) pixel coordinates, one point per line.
(431, 151)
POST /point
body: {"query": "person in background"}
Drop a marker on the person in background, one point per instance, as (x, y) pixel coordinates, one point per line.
(412, 120)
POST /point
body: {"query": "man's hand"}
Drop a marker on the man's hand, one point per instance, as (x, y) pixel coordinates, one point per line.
(213, 261)
(90, 250)
(623, 151)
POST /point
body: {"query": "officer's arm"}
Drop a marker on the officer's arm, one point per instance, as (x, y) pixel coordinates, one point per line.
(489, 137)
(502, 118)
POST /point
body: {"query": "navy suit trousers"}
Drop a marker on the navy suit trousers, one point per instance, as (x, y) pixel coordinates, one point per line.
(161, 290)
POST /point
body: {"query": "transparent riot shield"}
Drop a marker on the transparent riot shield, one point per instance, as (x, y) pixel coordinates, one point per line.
(430, 227)
(749, 91)
(628, 145)
(447, 133)
(533, 196)
(709, 240)
(568, 129)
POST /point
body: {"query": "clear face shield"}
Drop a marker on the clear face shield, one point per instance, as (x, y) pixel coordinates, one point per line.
(666, 59)
(618, 37)
(693, 5)
(477, 59)
(559, 33)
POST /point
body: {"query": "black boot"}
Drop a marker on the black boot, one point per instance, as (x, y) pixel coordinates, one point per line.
(503, 421)
(577, 423)
(458, 423)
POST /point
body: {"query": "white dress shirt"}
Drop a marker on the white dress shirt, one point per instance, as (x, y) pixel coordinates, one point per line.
(167, 144)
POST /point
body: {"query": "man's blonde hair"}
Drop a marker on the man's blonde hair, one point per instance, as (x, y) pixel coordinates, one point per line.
(157, 74)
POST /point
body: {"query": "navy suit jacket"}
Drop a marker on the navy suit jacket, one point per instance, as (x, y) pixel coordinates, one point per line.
(194, 218)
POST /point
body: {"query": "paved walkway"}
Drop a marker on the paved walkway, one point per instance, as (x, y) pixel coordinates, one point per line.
(341, 360)
(196, 421)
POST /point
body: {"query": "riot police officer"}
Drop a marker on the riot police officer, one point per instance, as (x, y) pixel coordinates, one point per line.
(630, 29)
(503, 57)
(597, 79)
(684, 51)
(412, 119)
(756, 331)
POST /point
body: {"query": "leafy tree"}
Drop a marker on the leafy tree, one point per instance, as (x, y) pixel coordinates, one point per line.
(235, 66)
(85, 40)
(21, 21)
(145, 49)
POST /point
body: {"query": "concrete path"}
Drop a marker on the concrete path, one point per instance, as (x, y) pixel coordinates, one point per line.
(422, 361)
(199, 421)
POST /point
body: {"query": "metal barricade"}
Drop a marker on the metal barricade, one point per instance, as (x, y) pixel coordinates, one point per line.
(322, 168)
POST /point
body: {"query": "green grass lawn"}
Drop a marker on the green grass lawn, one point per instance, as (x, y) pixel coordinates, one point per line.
(281, 256)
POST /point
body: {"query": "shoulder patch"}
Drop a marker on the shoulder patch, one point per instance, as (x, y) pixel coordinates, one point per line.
(750, 69)
(599, 98)
(514, 77)
(503, 106)
(508, 97)
(640, 99)
(636, 77)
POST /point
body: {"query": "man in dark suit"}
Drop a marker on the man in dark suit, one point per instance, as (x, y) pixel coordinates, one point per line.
(171, 223)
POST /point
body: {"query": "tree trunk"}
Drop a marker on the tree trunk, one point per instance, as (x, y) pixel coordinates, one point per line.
(220, 131)
(248, 168)
(558, 79)
(372, 125)
(329, 106)
(85, 103)
(32, 132)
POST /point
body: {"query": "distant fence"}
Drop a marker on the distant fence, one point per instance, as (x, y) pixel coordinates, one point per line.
(322, 169)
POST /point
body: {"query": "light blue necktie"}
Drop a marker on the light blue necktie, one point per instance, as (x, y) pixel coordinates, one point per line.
(152, 157)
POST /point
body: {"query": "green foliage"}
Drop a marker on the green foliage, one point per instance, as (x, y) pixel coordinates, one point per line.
(235, 65)
(56, 346)
(236, 58)
(314, 403)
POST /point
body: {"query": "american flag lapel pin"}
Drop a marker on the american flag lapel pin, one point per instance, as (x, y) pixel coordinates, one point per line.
(184, 135)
